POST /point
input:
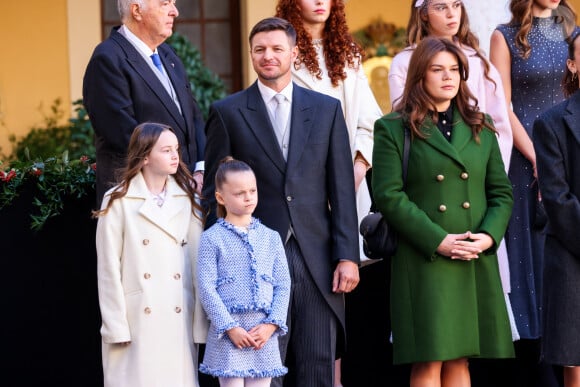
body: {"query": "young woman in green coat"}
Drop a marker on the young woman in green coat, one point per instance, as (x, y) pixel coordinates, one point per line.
(451, 212)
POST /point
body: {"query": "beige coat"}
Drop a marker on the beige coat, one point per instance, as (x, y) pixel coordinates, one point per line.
(360, 110)
(147, 294)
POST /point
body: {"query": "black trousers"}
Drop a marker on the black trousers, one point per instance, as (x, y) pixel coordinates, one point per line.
(309, 348)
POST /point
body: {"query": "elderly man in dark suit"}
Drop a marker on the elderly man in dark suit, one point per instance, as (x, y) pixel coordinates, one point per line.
(134, 77)
(296, 142)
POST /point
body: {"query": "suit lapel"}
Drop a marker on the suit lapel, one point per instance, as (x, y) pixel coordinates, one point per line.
(258, 121)
(572, 119)
(462, 134)
(302, 119)
(179, 88)
(137, 61)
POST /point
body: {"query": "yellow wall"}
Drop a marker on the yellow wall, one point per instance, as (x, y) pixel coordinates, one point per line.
(85, 34)
(360, 12)
(34, 67)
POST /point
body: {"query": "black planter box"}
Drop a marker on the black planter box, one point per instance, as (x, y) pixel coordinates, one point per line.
(50, 314)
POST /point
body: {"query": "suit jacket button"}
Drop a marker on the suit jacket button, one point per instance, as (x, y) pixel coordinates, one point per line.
(147, 310)
(145, 242)
(466, 205)
(147, 275)
(177, 309)
(464, 175)
(289, 198)
(442, 208)
(440, 177)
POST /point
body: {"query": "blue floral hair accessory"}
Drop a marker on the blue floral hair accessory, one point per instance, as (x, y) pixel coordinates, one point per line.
(419, 3)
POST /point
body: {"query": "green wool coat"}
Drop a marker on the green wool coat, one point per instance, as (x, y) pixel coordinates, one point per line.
(443, 309)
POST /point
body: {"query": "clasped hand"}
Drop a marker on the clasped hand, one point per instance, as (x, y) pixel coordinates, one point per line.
(255, 337)
(464, 246)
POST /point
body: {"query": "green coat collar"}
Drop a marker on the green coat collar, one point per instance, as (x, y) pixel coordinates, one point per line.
(459, 139)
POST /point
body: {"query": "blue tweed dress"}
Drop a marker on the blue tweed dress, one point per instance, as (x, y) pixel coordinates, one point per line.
(243, 280)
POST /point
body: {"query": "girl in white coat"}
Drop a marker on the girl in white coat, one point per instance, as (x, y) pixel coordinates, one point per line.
(147, 235)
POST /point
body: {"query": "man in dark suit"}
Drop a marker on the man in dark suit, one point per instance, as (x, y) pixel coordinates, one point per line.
(123, 86)
(304, 172)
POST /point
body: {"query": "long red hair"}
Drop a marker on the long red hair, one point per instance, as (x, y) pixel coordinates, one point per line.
(340, 49)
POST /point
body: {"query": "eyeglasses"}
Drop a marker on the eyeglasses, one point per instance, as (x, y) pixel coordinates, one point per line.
(443, 8)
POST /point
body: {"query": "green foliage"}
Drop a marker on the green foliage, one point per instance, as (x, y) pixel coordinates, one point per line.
(76, 137)
(206, 86)
(52, 179)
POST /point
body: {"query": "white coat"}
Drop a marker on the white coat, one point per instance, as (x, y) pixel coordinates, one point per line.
(147, 291)
(360, 110)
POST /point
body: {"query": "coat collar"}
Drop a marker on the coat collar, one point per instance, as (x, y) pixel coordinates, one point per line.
(459, 139)
(572, 118)
(177, 201)
(136, 61)
(257, 118)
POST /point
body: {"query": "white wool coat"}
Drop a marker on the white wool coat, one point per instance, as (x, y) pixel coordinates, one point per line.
(147, 291)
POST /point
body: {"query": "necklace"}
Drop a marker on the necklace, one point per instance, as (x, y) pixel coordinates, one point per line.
(317, 42)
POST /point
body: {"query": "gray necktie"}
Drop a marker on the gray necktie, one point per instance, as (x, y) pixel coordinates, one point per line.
(281, 121)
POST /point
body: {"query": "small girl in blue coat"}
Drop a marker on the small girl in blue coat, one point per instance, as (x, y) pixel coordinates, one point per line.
(244, 285)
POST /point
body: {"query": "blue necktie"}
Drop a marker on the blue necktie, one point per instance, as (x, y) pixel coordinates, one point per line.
(157, 61)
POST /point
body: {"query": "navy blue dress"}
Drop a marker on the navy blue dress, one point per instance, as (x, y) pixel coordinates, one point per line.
(536, 87)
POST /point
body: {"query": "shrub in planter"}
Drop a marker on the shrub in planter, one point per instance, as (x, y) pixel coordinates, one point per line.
(51, 180)
(52, 139)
